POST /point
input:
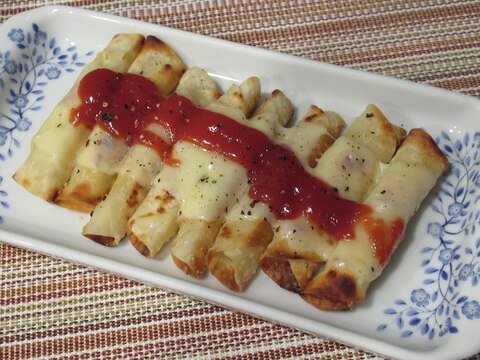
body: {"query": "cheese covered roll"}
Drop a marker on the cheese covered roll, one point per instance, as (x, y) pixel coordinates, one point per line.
(55, 146)
(157, 219)
(98, 162)
(356, 262)
(108, 223)
(234, 257)
(207, 205)
(351, 165)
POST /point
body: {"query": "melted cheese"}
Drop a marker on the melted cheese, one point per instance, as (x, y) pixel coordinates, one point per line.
(54, 147)
(404, 184)
(352, 165)
(349, 166)
(199, 187)
(140, 166)
(235, 256)
(204, 182)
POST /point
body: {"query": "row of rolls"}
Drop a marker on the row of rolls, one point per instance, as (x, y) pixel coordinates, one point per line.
(201, 202)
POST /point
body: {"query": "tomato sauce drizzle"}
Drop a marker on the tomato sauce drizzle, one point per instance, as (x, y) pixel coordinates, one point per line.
(125, 104)
(121, 105)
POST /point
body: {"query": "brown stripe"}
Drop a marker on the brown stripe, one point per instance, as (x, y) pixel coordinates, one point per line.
(116, 336)
(173, 328)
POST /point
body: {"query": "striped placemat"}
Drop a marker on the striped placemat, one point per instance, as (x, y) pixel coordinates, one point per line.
(50, 308)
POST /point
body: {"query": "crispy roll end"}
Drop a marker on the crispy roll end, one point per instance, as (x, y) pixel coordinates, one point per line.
(432, 157)
(375, 121)
(103, 240)
(286, 272)
(140, 246)
(243, 97)
(79, 199)
(155, 224)
(154, 52)
(234, 258)
(337, 292)
(279, 105)
(190, 247)
(198, 86)
(223, 269)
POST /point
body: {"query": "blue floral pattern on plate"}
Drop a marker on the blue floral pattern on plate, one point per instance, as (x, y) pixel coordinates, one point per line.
(449, 264)
(23, 79)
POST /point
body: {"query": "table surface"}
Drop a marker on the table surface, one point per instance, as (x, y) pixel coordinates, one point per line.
(62, 310)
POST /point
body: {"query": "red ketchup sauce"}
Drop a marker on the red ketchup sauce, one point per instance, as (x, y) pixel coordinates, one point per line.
(121, 105)
(383, 237)
(125, 104)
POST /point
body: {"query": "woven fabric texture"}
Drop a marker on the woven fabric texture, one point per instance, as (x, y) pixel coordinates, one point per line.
(50, 308)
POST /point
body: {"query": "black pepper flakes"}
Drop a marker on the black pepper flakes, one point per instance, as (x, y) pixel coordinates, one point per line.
(107, 116)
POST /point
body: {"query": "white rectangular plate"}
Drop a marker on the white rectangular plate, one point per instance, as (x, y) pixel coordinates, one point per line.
(426, 303)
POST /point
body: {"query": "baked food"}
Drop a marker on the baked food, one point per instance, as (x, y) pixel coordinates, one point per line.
(97, 163)
(186, 192)
(355, 263)
(234, 188)
(234, 257)
(352, 164)
(108, 222)
(55, 146)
